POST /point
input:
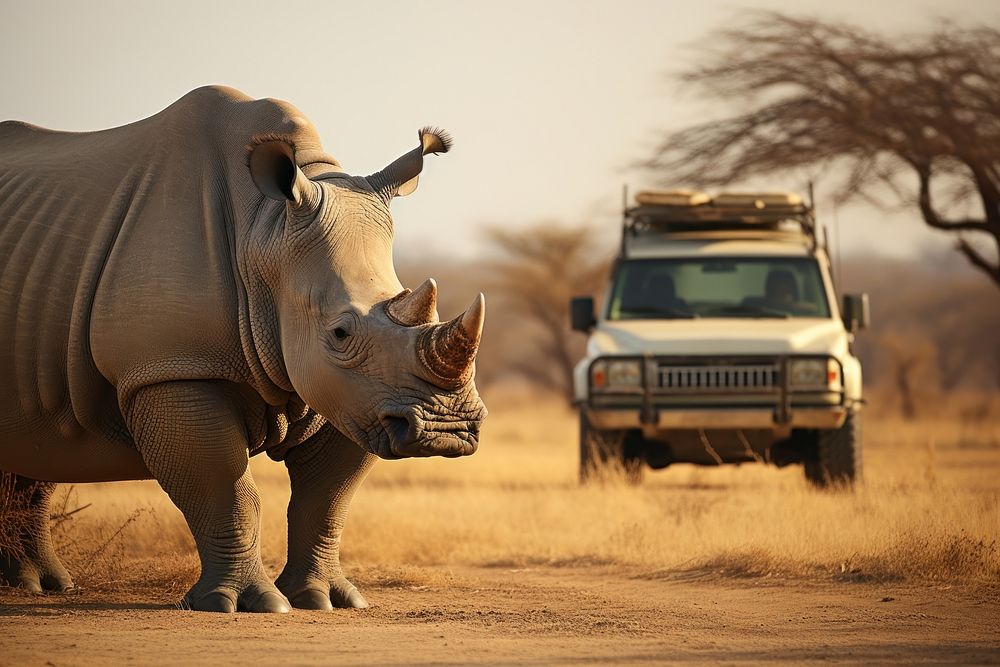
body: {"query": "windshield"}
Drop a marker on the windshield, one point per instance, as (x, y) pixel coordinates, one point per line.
(689, 287)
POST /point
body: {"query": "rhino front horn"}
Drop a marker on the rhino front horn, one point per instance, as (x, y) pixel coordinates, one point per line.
(448, 350)
(417, 307)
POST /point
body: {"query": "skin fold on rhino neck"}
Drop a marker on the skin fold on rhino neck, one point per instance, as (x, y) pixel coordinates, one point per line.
(279, 241)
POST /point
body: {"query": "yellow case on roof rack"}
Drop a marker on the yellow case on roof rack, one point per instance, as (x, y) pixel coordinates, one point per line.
(672, 198)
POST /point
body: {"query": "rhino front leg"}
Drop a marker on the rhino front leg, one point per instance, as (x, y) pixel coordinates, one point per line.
(27, 557)
(325, 472)
(193, 439)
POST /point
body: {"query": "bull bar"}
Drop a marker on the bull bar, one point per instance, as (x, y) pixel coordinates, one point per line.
(776, 404)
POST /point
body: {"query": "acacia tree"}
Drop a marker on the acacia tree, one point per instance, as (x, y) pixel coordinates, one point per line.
(537, 270)
(816, 94)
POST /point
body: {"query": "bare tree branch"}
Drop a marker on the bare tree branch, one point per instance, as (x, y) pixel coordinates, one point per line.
(931, 216)
(824, 95)
(979, 261)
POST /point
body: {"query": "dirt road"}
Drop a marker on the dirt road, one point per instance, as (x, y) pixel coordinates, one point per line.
(551, 615)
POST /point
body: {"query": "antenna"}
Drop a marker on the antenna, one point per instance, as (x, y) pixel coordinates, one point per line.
(624, 215)
(817, 241)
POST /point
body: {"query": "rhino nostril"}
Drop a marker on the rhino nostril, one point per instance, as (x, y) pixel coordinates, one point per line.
(401, 430)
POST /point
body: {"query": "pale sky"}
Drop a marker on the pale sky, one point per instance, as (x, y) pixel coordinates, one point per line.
(548, 102)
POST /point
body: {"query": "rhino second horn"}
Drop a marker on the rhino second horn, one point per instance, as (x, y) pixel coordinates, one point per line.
(474, 318)
(448, 350)
(417, 307)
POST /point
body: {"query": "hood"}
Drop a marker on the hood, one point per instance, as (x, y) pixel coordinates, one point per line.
(722, 336)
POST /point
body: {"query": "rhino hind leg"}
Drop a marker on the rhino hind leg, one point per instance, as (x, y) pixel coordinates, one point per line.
(325, 472)
(192, 438)
(27, 556)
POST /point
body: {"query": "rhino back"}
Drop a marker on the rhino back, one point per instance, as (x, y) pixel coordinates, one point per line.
(54, 238)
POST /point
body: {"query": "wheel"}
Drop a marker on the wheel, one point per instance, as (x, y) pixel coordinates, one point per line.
(838, 455)
(608, 454)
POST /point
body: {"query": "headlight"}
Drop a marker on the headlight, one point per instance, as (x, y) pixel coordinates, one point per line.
(624, 373)
(610, 374)
(814, 374)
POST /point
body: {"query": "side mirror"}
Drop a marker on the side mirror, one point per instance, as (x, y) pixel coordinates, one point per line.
(581, 313)
(857, 314)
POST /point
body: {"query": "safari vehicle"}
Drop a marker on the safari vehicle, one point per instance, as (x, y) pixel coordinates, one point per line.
(720, 341)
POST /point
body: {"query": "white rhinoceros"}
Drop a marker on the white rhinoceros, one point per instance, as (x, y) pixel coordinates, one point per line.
(184, 292)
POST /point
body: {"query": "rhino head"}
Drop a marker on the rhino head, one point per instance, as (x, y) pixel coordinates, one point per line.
(368, 355)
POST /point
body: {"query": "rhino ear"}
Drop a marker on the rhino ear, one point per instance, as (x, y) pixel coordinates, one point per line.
(274, 172)
(408, 187)
(401, 177)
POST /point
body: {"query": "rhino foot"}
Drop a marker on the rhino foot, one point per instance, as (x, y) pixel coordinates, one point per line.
(257, 597)
(29, 558)
(38, 575)
(339, 593)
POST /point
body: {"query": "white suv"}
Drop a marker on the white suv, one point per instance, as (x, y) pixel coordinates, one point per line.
(720, 341)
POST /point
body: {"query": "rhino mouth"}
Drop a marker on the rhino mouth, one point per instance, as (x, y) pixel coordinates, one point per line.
(411, 432)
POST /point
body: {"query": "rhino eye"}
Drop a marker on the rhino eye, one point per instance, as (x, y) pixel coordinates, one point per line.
(341, 338)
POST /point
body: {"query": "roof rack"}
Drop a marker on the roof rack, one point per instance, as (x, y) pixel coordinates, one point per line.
(696, 213)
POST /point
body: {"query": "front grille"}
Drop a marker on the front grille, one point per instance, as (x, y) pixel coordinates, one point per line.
(719, 378)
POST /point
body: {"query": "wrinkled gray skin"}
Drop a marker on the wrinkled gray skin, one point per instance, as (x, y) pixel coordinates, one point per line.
(181, 293)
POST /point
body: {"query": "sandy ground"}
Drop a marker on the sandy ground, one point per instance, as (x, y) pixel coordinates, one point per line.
(576, 615)
(502, 558)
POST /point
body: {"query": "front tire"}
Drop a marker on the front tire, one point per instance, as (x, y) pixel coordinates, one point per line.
(607, 454)
(838, 460)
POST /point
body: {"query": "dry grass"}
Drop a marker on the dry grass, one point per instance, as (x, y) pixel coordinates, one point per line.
(929, 511)
(13, 519)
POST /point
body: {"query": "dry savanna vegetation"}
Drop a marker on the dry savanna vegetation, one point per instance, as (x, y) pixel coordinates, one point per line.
(929, 511)
(502, 557)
